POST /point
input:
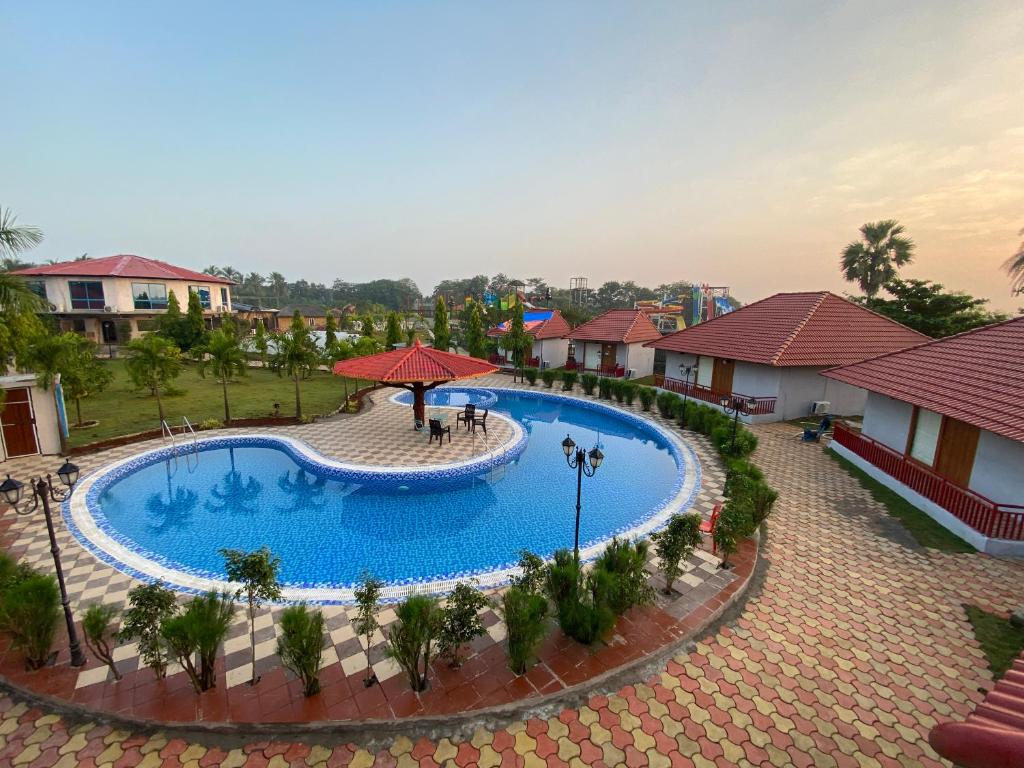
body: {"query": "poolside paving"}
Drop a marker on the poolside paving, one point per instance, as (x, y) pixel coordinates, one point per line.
(856, 645)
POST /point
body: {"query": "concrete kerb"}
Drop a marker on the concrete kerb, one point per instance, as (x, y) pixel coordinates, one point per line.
(379, 734)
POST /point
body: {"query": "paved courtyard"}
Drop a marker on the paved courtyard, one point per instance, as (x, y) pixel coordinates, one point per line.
(855, 646)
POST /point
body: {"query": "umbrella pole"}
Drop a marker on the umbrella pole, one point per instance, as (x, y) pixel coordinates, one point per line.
(418, 405)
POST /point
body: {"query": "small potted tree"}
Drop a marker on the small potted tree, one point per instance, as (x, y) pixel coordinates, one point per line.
(460, 622)
(674, 544)
(301, 645)
(367, 595)
(149, 605)
(99, 636)
(256, 573)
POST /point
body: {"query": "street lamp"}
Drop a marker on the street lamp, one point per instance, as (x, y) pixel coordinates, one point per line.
(585, 464)
(685, 371)
(734, 406)
(43, 491)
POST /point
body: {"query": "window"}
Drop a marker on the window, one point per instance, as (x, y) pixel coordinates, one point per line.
(38, 287)
(705, 369)
(204, 294)
(149, 295)
(86, 294)
(224, 297)
(925, 437)
(311, 322)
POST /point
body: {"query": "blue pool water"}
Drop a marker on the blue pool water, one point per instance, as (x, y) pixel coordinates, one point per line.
(327, 531)
(450, 396)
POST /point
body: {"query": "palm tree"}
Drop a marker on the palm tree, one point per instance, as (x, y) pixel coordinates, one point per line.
(871, 261)
(15, 239)
(153, 362)
(232, 274)
(1015, 267)
(279, 285)
(295, 355)
(223, 354)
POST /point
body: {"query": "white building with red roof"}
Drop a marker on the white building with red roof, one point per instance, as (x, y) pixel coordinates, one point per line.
(547, 329)
(944, 428)
(768, 355)
(612, 344)
(112, 299)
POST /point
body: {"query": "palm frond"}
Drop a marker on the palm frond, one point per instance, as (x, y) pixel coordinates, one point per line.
(15, 239)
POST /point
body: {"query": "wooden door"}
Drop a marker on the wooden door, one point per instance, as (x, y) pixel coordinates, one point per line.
(19, 424)
(954, 458)
(721, 376)
(607, 357)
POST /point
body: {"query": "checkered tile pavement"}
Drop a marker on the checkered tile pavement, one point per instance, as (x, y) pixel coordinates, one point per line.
(91, 581)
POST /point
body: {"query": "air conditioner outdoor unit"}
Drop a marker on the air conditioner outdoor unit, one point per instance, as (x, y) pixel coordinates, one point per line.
(545, 364)
(631, 373)
(820, 407)
(108, 309)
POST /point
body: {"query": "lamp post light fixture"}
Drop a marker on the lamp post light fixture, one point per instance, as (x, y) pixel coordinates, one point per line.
(686, 371)
(735, 406)
(585, 464)
(44, 492)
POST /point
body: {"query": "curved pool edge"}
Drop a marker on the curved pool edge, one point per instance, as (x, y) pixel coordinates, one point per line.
(102, 541)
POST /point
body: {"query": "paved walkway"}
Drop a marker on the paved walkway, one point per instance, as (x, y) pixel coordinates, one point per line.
(856, 645)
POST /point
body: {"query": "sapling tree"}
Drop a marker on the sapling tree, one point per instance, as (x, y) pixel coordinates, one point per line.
(734, 522)
(442, 330)
(256, 573)
(410, 639)
(149, 606)
(301, 645)
(393, 331)
(99, 636)
(525, 614)
(198, 631)
(674, 544)
(367, 595)
(460, 623)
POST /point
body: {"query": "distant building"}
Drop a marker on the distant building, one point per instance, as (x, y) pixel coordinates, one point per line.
(113, 299)
(314, 315)
(249, 316)
(547, 329)
(33, 417)
(772, 351)
(943, 428)
(614, 344)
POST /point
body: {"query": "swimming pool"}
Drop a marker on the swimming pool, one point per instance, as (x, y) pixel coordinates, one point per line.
(452, 397)
(329, 521)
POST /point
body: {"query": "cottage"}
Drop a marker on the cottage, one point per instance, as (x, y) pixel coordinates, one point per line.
(943, 428)
(314, 315)
(547, 329)
(613, 344)
(32, 417)
(767, 355)
(113, 299)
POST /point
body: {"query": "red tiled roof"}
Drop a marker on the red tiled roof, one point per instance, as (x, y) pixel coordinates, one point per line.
(415, 363)
(976, 377)
(555, 327)
(622, 326)
(125, 265)
(816, 329)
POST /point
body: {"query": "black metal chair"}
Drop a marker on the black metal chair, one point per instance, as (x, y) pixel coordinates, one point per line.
(480, 421)
(436, 430)
(466, 417)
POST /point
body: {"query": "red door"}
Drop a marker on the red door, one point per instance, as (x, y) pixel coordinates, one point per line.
(19, 424)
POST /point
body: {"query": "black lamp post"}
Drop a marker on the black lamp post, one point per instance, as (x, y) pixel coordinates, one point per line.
(584, 464)
(686, 371)
(43, 491)
(735, 406)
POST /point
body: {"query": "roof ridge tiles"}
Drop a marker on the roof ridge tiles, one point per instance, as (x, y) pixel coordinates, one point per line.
(799, 327)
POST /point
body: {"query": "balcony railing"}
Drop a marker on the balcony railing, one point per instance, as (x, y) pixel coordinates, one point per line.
(997, 521)
(764, 405)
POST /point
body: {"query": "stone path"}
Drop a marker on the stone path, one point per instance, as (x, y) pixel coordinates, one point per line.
(855, 647)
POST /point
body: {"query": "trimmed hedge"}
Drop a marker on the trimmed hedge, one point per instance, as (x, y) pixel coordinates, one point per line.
(588, 381)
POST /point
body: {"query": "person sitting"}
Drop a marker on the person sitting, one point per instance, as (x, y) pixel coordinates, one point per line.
(814, 435)
(436, 430)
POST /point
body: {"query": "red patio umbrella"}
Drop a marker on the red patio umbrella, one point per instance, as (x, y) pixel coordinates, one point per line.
(416, 368)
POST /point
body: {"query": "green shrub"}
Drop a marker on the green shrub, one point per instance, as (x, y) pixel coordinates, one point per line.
(674, 544)
(568, 380)
(582, 614)
(734, 523)
(629, 390)
(623, 562)
(754, 494)
(13, 572)
(99, 636)
(604, 387)
(29, 613)
(301, 645)
(588, 381)
(199, 629)
(210, 424)
(668, 404)
(738, 471)
(619, 389)
(460, 622)
(585, 622)
(695, 416)
(562, 577)
(149, 605)
(647, 395)
(548, 376)
(744, 444)
(524, 614)
(410, 640)
(531, 375)
(533, 573)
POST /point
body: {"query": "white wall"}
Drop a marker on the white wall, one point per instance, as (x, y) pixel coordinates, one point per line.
(555, 351)
(801, 386)
(756, 380)
(636, 356)
(117, 293)
(998, 469)
(887, 420)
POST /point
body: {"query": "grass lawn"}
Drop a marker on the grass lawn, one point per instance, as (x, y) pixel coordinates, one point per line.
(121, 410)
(999, 639)
(926, 531)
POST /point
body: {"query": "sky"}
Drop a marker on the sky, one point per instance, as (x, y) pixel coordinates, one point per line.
(738, 143)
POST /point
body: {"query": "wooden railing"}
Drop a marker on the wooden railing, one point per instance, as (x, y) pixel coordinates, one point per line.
(706, 394)
(997, 521)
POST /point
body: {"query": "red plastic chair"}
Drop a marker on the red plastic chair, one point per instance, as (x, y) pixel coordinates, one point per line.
(708, 527)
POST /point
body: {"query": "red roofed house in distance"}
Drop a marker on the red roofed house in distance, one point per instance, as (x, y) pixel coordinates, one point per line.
(113, 299)
(771, 352)
(943, 427)
(613, 344)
